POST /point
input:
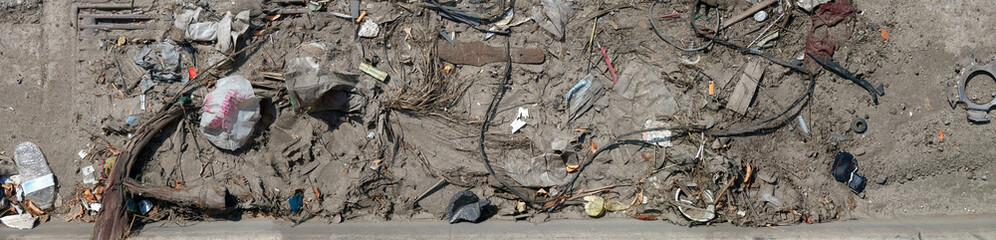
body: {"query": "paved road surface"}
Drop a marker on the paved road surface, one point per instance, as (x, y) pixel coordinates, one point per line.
(940, 227)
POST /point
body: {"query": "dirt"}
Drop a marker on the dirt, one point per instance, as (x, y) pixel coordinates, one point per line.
(423, 124)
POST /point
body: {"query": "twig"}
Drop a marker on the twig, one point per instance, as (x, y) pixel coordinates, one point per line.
(435, 187)
(745, 14)
(596, 190)
(721, 192)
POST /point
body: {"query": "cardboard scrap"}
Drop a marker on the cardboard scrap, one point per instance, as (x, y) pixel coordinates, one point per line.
(743, 94)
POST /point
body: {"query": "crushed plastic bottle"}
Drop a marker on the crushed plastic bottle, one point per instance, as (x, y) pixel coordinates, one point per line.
(39, 183)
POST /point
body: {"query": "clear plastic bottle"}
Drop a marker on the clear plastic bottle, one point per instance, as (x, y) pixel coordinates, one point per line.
(37, 180)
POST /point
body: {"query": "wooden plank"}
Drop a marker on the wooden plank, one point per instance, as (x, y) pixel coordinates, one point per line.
(743, 94)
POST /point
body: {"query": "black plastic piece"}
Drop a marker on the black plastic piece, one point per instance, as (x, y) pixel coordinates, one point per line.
(843, 165)
(857, 183)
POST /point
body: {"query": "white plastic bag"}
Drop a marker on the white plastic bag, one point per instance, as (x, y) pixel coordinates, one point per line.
(230, 113)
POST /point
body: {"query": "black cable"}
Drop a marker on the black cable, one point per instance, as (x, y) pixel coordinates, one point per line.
(653, 25)
(490, 115)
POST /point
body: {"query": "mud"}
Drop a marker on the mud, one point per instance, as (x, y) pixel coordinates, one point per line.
(424, 124)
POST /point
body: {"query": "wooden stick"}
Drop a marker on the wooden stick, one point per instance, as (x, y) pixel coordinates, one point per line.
(749, 12)
(203, 196)
(721, 192)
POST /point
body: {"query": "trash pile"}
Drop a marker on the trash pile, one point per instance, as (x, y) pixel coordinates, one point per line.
(337, 110)
(28, 190)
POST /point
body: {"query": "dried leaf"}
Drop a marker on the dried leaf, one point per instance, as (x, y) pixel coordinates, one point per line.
(940, 135)
(541, 192)
(99, 192)
(273, 17)
(109, 163)
(318, 194)
(593, 148)
(34, 210)
(46, 217)
(646, 217)
(550, 204)
(637, 199)
(885, 35)
(595, 206)
(88, 196)
(111, 149)
(154, 211)
(615, 206)
(178, 184)
(572, 167)
(747, 176)
(76, 215)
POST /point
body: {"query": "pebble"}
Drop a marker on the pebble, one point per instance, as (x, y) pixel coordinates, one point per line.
(760, 16)
(369, 29)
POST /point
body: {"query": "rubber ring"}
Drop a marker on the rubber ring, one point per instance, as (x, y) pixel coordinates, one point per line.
(859, 125)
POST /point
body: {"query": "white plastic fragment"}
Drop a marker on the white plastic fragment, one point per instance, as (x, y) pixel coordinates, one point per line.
(369, 29)
(95, 207)
(20, 221)
(809, 5)
(694, 213)
(660, 138)
(88, 177)
(802, 124)
(82, 153)
(39, 183)
(519, 123)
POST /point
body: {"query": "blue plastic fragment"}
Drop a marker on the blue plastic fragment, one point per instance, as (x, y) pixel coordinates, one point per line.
(131, 121)
(295, 201)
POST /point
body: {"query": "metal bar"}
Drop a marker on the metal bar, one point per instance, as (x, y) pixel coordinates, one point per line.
(113, 16)
(107, 6)
(113, 26)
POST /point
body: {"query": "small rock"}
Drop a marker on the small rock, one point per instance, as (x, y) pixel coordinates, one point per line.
(760, 16)
(559, 145)
(369, 29)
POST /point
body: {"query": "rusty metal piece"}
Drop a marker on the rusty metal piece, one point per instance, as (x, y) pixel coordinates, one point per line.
(113, 26)
(478, 54)
(978, 113)
(90, 21)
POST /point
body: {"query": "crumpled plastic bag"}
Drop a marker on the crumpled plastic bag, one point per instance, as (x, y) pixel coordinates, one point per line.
(542, 171)
(311, 90)
(202, 31)
(557, 14)
(229, 30)
(226, 31)
(162, 61)
(230, 113)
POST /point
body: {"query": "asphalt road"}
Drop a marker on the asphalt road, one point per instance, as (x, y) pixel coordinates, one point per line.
(939, 227)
